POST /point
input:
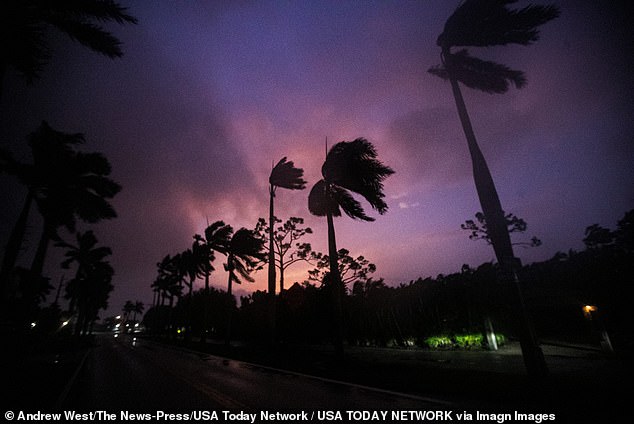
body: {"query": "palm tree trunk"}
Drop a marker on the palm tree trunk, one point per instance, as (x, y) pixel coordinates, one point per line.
(14, 245)
(501, 241)
(203, 335)
(271, 297)
(230, 311)
(281, 279)
(337, 287)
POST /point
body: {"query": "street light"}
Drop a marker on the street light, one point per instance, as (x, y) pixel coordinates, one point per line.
(598, 327)
(588, 310)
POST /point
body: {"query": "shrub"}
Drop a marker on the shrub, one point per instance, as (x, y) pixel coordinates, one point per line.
(469, 341)
(500, 339)
(438, 342)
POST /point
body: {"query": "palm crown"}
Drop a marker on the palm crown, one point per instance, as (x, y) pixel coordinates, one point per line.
(350, 166)
(24, 23)
(285, 175)
(244, 253)
(484, 23)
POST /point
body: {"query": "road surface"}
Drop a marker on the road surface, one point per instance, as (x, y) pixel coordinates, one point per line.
(137, 375)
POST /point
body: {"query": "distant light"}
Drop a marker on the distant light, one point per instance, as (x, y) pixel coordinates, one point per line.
(589, 308)
(116, 335)
(136, 324)
(65, 323)
(33, 324)
(587, 311)
(117, 317)
(117, 325)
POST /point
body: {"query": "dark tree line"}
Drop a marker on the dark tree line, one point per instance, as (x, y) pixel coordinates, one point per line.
(65, 184)
(379, 315)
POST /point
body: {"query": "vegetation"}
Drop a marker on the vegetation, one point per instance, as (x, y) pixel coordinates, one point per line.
(445, 312)
(24, 42)
(477, 23)
(349, 167)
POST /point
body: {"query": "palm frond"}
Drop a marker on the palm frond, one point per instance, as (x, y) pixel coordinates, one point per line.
(100, 10)
(320, 202)
(90, 35)
(481, 23)
(348, 204)
(246, 246)
(479, 74)
(353, 166)
(218, 236)
(286, 175)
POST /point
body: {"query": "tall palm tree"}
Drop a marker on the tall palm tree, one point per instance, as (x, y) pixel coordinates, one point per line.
(485, 23)
(190, 264)
(139, 307)
(127, 309)
(349, 167)
(80, 188)
(244, 252)
(51, 151)
(216, 239)
(24, 23)
(168, 284)
(243, 255)
(92, 269)
(285, 175)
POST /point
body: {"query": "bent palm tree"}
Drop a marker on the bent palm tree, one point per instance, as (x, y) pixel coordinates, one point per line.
(24, 45)
(349, 167)
(92, 270)
(244, 252)
(484, 23)
(283, 175)
(216, 239)
(64, 183)
(79, 189)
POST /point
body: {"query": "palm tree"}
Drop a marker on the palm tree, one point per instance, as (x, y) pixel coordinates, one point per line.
(349, 167)
(139, 307)
(216, 239)
(168, 284)
(284, 175)
(244, 252)
(128, 307)
(65, 184)
(190, 264)
(24, 36)
(91, 270)
(79, 188)
(484, 23)
(50, 151)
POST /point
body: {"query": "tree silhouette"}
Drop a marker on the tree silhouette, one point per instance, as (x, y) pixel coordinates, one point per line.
(352, 270)
(167, 281)
(24, 36)
(243, 252)
(216, 239)
(65, 185)
(80, 188)
(285, 175)
(286, 248)
(88, 290)
(480, 231)
(349, 167)
(485, 23)
(139, 307)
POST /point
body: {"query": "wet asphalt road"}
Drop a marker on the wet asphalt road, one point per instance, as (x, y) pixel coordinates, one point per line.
(127, 374)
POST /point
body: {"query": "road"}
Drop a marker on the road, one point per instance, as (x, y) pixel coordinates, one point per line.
(138, 375)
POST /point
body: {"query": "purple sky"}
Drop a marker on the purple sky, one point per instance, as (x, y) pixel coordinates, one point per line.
(209, 94)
